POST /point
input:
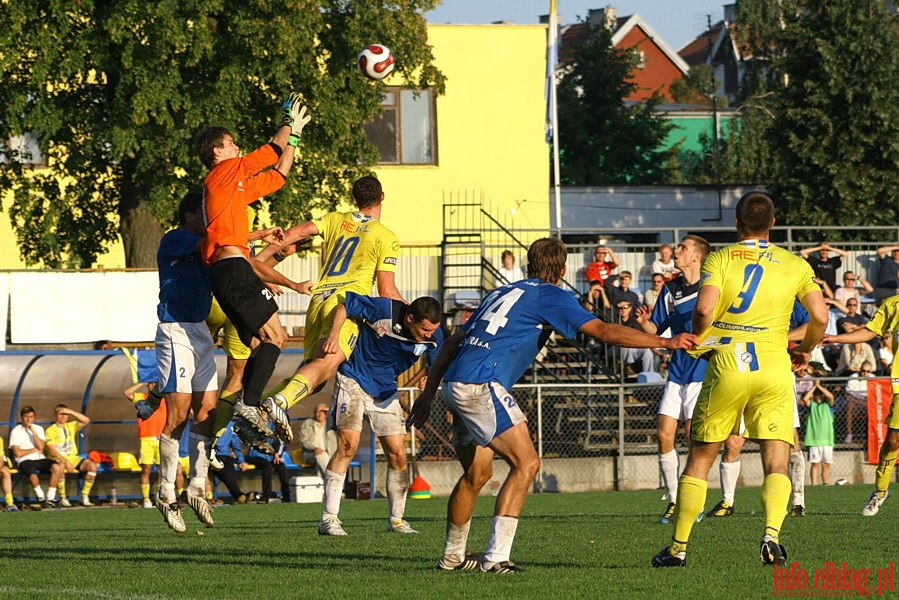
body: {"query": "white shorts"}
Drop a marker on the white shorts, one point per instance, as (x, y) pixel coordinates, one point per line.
(818, 454)
(184, 358)
(352, 404)
(679, 399)
(484, 411)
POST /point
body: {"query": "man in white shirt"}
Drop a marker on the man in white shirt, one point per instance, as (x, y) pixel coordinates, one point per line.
(27, 442)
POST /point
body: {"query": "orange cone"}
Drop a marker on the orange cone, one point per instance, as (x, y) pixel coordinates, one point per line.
(419, 489)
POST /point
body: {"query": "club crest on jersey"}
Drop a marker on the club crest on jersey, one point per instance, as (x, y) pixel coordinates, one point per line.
(419, 349)
(381, 331)
(397, 328)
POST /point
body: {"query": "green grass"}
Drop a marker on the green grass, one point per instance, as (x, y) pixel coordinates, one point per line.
(571, 545)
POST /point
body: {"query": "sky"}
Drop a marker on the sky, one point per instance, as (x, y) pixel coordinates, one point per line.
(677, 21)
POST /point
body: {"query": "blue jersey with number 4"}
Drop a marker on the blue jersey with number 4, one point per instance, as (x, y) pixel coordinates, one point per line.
(508, 330)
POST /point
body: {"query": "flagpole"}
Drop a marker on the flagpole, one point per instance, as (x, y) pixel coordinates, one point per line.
(552, 55)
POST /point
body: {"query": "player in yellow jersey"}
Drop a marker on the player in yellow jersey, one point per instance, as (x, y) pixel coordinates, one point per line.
(359, 253)
(742, 316)
(885, 320)
(62, 444)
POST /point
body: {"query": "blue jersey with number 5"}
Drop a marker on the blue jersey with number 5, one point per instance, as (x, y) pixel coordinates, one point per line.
(508, 330)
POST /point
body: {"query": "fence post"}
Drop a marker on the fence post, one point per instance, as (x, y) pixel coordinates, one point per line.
(620, 463)
(538, 482)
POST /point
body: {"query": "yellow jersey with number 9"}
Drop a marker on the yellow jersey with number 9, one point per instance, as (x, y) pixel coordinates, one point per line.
(758, 282)
(356, 248)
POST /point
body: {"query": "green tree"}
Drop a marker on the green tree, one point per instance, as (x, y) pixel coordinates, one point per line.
(116, 89)
(603, 140)
(833, 72)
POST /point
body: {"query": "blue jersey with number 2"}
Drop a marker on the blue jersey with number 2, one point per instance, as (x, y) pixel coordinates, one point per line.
(508, 330)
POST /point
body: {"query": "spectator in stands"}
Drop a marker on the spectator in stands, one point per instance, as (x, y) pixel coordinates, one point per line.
(6, 480)
(509, 273)
(819, 436)
(888, 273)
(853, 356)
(231, 456)
(629, 356)
(266, 464)
(623, 292)
(885, 354)
(148, 431)
(665, 263)
(595, 300)
(27, 443)
(853, 317)
(318, 442)
(857, 396)
(62, 445)
(853, 287)
(604, 262)
(824, 265)
(652, 294)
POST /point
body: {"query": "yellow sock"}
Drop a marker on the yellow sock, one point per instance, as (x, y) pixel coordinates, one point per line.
(224, 410)
(776, 491)
(884, 472)
(10, 500)
(61, 487)
(296, 389)
(87, 487)
(691, 494)
(145, 490)
(278, 388)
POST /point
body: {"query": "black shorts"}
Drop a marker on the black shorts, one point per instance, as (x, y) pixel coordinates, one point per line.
(33, 467)
(244, 298)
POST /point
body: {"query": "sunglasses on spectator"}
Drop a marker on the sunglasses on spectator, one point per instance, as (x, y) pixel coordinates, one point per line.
(323, 410)
(864, 371)
(852, 304)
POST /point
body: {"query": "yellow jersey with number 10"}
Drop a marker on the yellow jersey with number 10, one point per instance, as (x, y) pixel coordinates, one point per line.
(758, 282)
(356, 247)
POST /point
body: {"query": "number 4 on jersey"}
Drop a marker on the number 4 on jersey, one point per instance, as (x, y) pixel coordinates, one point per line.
(495, 312)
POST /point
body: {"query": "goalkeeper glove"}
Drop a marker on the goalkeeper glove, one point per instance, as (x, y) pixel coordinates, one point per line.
(287, 107)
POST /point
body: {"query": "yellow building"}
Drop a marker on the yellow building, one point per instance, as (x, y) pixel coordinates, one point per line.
(486, 139)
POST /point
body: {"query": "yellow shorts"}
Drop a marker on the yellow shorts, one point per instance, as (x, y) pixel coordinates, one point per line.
(749, 380)
(149, 451)
(893, 416)
(217, 321)
(319, 317)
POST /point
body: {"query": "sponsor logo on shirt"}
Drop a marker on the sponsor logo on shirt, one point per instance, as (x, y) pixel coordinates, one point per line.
(390, 260)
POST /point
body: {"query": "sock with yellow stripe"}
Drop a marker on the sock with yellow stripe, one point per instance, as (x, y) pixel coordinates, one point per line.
(776, 491)
(691, 495)
(296, 389)
(224, 410)
(884, 472)
(145, 490)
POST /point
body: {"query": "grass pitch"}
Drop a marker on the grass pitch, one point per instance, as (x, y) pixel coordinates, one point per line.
(587, 545)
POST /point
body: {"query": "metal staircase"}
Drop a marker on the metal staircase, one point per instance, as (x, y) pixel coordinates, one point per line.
(470, 235)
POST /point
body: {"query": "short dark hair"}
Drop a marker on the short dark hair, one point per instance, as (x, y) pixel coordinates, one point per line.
(207, 140)
(547, 258)
(755, 213)
(702, 245)
(191, 201)
(58, 406)
(25, 410)
(505, 254)
(367, 191)
(423, 308)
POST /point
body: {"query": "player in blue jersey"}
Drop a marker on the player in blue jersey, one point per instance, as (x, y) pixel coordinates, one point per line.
(673, 312)
(393, 336)
(479, 364)
(184, 357)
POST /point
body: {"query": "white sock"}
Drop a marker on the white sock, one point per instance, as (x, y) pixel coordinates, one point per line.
(199, 460)
(730, 473)
(797, 477)
(39, 492)
(168, 466)
(51, 493)
(397, 486)
(456, 539)
(669, 467)
(333, 492)
(502, 534)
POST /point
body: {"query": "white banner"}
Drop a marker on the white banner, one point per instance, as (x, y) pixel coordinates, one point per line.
(67, 308)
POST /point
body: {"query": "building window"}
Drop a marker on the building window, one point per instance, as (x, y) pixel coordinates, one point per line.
(406, 131)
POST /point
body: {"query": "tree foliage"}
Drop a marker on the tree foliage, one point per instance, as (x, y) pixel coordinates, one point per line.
(115, 90)
(832, 69)
(604, 140)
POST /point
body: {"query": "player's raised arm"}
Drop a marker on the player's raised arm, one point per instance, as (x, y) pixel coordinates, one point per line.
(619, 335)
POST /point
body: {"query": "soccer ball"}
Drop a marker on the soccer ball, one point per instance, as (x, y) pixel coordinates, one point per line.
(376, 61)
